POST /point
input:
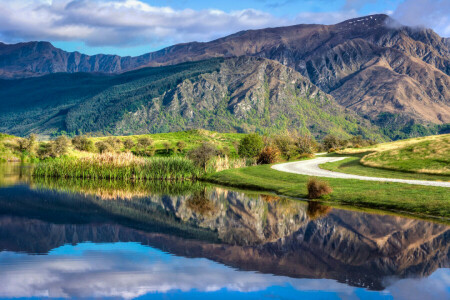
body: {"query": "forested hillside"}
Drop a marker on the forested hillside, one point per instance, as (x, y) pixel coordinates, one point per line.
(242, 94)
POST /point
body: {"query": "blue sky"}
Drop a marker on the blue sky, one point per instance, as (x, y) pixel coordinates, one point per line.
(134, 27)
(131, 270)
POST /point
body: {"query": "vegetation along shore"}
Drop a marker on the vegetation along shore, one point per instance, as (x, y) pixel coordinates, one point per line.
(244, 161)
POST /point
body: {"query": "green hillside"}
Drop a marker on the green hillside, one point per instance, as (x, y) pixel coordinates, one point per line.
(226, 95)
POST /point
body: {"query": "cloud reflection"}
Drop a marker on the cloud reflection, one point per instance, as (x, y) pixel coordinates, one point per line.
(129, 270)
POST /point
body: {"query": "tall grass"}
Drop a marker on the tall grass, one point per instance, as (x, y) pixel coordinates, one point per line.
(122, 166)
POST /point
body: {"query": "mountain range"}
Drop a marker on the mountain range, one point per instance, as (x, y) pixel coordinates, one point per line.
(369, 76)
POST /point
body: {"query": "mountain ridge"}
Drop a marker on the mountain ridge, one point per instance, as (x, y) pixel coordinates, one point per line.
(393, 75)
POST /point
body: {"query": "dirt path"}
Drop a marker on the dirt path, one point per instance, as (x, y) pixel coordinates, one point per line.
(311, 168)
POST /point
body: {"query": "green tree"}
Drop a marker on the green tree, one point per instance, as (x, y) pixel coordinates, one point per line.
(331, 141)
(128, 144)
(203, 154)
(145, 142)
(104, 147)
(60, 145)
(251, 145)
(167, 146)
(28, 144)
(181, 145)
(82, 143)
(305, 144)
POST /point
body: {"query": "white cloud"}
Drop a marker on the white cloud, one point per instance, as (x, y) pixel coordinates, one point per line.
(426, 13)
(131, 23)
(121, 23)
(128, 272)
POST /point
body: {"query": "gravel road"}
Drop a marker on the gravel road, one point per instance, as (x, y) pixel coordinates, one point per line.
(311, 168)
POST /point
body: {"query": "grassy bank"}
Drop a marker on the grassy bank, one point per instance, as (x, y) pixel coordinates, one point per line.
(425, 158)
(124, 166)
(421, 200)
(352, 165)
(428, 156)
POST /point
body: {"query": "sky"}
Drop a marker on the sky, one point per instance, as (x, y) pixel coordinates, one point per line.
(131, 270)
(134, 27)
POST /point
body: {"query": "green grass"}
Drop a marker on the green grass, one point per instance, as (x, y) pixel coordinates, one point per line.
(352, 165)
(428, 156)
(192, 138)
(173, 168)
(420, 200)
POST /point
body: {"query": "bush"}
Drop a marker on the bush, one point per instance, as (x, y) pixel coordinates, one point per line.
(305, 155)
(60, 145)
(332, 141)
(285, 144)
(82, 143)
(268, 155)
(104, 147)
(28, 144)
(305, 144)
(316, 210)
(55, 148)
(128, 144)
(45, 150)
(167, 146)
(251, 145)
(144, 142)
(201, 155)
(181, 145)
(114, 142)
(317, 188)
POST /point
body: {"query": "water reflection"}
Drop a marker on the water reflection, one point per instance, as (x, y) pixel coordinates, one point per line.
(116, 236)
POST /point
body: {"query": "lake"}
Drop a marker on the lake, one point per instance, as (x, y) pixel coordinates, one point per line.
(190, 240)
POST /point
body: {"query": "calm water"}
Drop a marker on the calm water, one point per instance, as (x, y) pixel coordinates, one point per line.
(84, 239)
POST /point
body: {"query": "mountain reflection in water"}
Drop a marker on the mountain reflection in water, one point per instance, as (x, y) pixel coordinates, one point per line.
(128, 239)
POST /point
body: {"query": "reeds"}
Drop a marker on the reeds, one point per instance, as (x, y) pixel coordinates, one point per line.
(122, 166)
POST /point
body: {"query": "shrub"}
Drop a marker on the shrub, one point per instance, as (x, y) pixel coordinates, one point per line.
(45, 150)
(181, 145)
(82, 143)
(306, 155)
(317, 188)
(60, 145)
(316, 210)
(268, 155)
(144, 142)
(114, 142)
(128, 144)
(199, 203)
(28, 144)
(332, 141)
(285, 144)
(55, 148)
(201, 155)
(305, 144)
(251, 145)
(104, 147)
(167, 146)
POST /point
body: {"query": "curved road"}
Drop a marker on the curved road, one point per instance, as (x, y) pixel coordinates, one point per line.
(311, 168)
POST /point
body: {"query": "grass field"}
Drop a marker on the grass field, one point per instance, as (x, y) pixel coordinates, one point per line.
(420, 200)
(425, 158)
(428, 156)
(192, 138)
(352, 165)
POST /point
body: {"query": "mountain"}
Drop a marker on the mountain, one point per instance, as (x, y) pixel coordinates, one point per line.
(258, 233)
(395, 76)
(242, 94)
